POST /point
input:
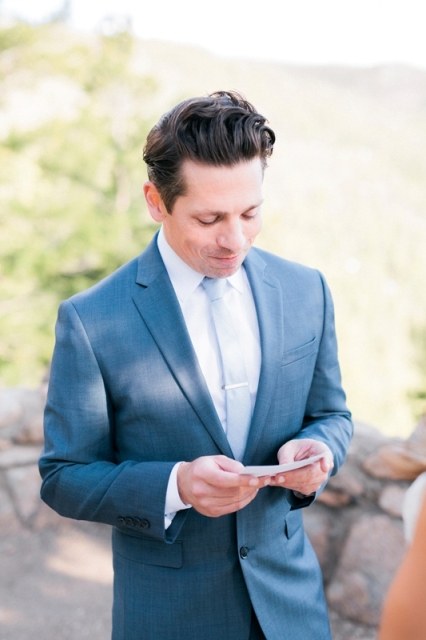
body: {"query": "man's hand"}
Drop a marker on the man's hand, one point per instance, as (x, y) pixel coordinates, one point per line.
(214, 487)
(305, 480)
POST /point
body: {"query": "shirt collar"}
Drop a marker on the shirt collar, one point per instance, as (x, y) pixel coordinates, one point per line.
(185, 279)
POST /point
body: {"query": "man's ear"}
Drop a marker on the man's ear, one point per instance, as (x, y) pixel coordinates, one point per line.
(155, 204)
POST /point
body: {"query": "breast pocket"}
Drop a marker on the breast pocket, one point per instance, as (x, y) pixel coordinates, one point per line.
(299, 353)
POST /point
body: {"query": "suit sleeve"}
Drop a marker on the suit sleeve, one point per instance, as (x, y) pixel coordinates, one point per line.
(80, 477)
(327, 417)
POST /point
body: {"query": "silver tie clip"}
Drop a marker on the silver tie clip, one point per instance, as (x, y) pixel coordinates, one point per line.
(236, 385)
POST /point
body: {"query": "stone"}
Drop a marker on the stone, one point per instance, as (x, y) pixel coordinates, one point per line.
(348, 481)
(346, 630)
(395, 461)
(21, 414)
(391, 499)
(8, 519)
(30, 428)
(372, 552)
(318, 526)
(366, 440)
(11, 410)
(334, 499)
(24, 483)
(31, 431)
(4, 444)
(16, 456)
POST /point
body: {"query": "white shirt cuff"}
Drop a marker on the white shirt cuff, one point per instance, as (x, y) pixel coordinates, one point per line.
(173, 501)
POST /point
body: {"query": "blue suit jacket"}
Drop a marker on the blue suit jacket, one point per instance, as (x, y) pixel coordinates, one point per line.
(127, 400)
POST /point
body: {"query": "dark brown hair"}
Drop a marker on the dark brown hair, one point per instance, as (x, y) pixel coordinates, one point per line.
(221, 129)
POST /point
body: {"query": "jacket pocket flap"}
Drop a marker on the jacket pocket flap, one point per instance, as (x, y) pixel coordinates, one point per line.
(146, 551)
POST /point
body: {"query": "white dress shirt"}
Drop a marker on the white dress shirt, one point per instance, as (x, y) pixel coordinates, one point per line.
(195, 307)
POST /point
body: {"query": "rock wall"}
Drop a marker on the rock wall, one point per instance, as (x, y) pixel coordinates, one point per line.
(355, 526)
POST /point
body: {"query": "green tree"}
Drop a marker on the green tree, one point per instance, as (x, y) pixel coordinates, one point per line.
(71, 209)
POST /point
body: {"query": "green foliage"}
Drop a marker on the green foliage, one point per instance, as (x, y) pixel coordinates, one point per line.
(71, 208)
(16, 35)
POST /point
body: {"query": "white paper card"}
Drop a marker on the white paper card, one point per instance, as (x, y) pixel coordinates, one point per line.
(271, 470)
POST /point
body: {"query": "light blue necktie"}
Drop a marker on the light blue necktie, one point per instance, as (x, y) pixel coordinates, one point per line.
(235, 381)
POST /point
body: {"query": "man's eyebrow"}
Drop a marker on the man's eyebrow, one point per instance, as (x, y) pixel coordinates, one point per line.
(218, 212)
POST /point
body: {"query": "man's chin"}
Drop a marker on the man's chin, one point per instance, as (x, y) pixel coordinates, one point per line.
(223, 267)
(222, 273)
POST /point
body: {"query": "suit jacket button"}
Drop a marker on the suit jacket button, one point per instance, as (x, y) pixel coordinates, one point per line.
(144, 523)
(121, 520)
(243, 552)
(129, 522)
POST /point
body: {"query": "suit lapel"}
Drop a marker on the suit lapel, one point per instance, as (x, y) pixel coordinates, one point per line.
(269, 307)
(157, 304)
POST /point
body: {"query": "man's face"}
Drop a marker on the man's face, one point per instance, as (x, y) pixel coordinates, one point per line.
(213, 225)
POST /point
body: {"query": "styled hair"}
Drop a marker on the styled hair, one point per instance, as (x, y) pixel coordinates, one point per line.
(220, 129)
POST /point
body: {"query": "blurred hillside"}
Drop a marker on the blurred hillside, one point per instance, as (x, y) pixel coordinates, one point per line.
(345, 191)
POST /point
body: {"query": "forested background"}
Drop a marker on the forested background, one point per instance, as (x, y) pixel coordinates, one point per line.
(345, 191)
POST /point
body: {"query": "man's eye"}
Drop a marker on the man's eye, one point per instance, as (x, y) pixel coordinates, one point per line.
(207, 222)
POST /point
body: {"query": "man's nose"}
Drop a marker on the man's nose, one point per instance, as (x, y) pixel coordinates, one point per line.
(232, 237)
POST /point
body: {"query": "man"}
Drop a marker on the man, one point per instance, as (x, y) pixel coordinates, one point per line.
(145, 432)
